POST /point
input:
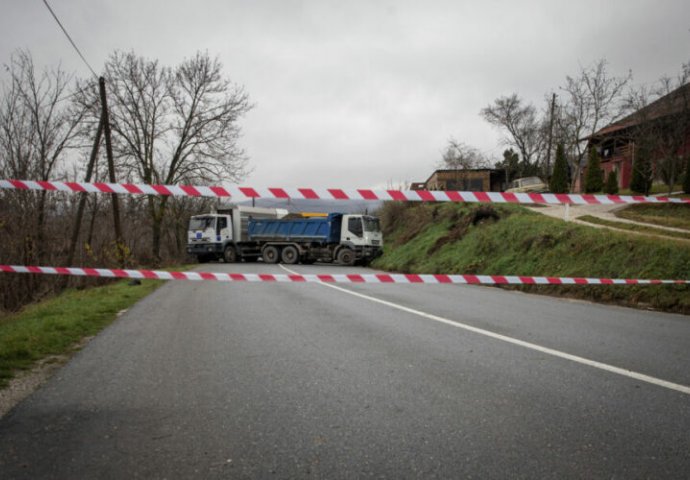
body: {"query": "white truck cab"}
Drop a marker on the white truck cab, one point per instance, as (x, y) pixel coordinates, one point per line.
(219, 234)
(361, 231)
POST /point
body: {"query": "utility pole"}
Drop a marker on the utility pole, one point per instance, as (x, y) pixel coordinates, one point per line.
(119, 243)
(82, 195)
(548, 148)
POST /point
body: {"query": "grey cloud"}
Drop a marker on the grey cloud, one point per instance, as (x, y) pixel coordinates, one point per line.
(365, 93)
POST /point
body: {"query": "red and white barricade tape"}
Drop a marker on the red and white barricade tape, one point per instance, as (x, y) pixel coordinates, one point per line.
(244, 193)
(334, 278)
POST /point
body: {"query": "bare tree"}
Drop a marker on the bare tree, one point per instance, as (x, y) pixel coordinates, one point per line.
(521, 122)
(660, 127)
(39, 125)
(460, 156)
(592, 100)
(36, 130)
(174, 124)
(674, 127)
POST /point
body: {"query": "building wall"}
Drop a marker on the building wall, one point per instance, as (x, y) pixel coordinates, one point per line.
(623, 168)
(623, 159)
(466, 180)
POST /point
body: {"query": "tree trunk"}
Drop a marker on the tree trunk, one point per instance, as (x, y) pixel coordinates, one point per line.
(157, 216)
(40, 228)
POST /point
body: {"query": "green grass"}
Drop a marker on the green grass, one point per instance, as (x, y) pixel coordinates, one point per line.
(657, 188)
(54, 326)
(667, 214)
(521, 242)
(634, 227)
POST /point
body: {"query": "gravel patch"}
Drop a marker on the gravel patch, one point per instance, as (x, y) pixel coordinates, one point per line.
(26, 382)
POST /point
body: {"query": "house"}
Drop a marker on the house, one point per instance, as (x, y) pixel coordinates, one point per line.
(666, 122)
(469, 180)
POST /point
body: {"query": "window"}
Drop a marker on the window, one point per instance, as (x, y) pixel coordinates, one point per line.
(222, 223)
(371, 224)
(201, 223)
(354, 225)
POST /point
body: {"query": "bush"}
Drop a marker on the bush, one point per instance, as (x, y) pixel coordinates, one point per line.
(611, 183)
(559, 179)
(594, 181)
(642, 170)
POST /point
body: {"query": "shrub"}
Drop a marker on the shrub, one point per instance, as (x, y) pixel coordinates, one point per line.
(559, 179)
(642, 170)
(594, 181)
(611, 183)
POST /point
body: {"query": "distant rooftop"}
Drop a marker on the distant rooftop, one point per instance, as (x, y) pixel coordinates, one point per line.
(675, 102)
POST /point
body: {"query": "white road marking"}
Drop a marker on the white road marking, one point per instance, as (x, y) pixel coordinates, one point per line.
(549, 351)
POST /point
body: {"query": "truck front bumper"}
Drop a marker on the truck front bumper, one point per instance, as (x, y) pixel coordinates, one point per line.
(371, 252)
(204, 248)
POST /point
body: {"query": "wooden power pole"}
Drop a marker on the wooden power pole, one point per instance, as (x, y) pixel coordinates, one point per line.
(120, 246)
(548, 148)
(82, 195)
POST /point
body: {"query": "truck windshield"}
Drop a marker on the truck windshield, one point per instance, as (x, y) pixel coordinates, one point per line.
(201, 223)
(371, 224)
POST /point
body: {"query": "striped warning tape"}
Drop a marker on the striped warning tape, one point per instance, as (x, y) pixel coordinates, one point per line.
(333, 193)
(334, 278)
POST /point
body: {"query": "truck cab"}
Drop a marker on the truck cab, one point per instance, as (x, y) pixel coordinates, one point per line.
(361, 231)
(208, 235)
(222, 234)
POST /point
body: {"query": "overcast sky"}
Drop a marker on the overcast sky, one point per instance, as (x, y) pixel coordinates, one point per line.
(364, 93)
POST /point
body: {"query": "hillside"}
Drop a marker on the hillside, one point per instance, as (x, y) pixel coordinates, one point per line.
(511, 240)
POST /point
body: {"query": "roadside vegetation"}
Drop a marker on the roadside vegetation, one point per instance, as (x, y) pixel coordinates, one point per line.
(57, 325)
(48, 131)
(511, 240)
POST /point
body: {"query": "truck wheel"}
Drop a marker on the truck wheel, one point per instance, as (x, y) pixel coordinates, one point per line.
(270, 254)
(289, 255)
(346, 257)
(230, 254)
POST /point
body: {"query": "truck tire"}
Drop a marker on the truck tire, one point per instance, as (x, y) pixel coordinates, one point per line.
(270, 254)
(346, 257)
(230, 254)
(289, 255)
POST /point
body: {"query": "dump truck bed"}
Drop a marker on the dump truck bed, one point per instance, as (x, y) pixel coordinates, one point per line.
(319, 230)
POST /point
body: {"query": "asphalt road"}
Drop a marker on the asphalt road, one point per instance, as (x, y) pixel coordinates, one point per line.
(218, 380)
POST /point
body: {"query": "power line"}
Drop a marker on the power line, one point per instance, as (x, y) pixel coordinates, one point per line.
(70, 38)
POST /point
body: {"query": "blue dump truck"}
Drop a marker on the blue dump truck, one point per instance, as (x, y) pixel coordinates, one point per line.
(342, 238)
(245, 234)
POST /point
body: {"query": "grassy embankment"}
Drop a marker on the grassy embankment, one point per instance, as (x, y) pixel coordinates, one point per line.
(56, 326)
(511, 240)
(657, 189)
